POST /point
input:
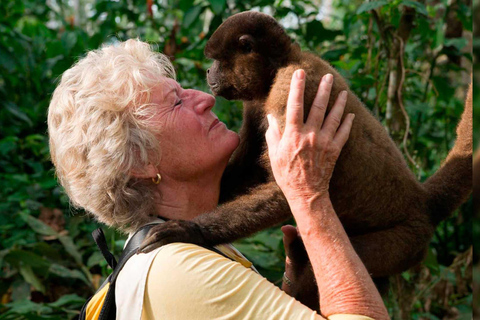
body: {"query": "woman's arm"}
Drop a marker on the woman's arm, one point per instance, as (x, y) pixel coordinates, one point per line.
(303, 159)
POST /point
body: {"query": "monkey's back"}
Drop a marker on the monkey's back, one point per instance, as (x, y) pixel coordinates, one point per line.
(372, 187)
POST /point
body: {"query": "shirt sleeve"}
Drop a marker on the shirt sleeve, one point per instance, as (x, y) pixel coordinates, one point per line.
(186, 281)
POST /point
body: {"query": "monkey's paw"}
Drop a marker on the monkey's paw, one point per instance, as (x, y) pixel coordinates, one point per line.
(172, 231)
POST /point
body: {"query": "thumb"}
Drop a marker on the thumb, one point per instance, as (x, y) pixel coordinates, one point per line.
(273, 134)
(289, 235)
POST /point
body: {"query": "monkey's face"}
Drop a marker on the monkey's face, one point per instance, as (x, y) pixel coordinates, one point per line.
(246, 75)
(247, 50)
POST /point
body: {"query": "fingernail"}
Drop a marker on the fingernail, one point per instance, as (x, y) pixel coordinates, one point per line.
(352, 115)
(344, 95)
(328, 78)
(300, 74)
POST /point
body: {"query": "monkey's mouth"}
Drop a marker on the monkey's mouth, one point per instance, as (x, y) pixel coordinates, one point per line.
(214, 87)
(222, 91)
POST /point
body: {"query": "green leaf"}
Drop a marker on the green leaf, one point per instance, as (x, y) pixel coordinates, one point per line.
(69, 39)
(66, 300)
(6, 61)
(218, 6)
(371, 5)
(71, 248)
(41, 228)
(95, 259)
(26, 306)
(440, 34)
(184, 5)
(458, 43)
(64, 272)
(27, 273)
(3, 253)
(38, 226)
(191, 16)
(22, 257)
(8, 144)
(419, 7)
(17, 112)
(431, 261)
(317, 32)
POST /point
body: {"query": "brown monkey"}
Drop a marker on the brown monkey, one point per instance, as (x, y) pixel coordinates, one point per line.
(389, 216)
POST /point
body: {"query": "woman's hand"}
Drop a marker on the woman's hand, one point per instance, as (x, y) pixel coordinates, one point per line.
(304, 156)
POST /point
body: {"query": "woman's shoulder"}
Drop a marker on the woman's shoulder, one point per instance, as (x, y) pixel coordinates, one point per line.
(187, 281)
(190, 261)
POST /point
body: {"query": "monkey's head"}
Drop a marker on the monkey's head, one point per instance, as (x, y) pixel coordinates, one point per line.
(248, 48)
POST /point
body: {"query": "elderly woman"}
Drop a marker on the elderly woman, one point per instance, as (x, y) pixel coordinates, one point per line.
(131, 145)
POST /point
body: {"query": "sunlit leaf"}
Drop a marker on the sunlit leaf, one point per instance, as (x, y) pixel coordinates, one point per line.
(367, 6)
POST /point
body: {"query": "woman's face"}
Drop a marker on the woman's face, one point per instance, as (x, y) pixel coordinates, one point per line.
(193, 140)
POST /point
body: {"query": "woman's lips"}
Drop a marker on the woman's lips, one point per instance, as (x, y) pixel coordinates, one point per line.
(214, 123)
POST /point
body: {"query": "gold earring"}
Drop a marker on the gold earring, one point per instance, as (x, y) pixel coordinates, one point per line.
(157, 179)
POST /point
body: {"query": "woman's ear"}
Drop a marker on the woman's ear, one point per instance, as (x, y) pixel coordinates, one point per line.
(150, 171)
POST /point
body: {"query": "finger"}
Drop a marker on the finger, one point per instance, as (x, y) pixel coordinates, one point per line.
(294, 118)
(289, 235)
(332, 122)
(273, 134)
(319, 106)
(343, 132)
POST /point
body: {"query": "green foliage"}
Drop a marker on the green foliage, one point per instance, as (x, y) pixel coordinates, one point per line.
(47, 269)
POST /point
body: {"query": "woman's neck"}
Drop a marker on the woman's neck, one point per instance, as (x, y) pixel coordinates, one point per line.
(185, 200)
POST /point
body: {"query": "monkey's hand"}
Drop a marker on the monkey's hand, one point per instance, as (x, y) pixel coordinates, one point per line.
(299, 280)
(172, 231)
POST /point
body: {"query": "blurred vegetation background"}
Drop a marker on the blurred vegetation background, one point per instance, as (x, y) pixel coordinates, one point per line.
(476, 162)
(48, 261)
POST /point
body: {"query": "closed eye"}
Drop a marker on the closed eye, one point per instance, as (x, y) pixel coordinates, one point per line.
(179, 102)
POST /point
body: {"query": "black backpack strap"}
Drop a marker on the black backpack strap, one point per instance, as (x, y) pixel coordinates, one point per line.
(131, 248)
(99, 238)
(135, 242)
(109, 309)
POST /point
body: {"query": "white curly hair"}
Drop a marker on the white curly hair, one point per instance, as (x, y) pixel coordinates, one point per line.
(99, 132)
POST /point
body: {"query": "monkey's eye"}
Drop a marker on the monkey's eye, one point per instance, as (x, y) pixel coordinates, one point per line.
(179, 102)
(247, 47)
(246, 43)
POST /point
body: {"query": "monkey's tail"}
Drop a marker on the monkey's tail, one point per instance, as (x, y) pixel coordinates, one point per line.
(451, 185)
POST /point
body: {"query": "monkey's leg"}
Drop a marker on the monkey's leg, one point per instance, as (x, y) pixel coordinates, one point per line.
(392, 251)
(263, 207)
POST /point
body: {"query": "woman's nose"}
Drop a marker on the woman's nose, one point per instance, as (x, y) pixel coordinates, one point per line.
(202, 101)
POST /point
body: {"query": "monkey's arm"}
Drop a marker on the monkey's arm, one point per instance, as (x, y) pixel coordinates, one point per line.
(263, 207)
(244, 170)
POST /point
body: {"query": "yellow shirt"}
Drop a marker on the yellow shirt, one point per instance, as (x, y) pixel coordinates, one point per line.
(188, 282)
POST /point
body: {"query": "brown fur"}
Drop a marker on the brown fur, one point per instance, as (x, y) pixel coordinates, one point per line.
(389, 216)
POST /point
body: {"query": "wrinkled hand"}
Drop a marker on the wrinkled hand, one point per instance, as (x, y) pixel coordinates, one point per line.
(304, 156)
(172, 231)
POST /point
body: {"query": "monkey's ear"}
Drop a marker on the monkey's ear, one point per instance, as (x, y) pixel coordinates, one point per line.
(247, 43)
